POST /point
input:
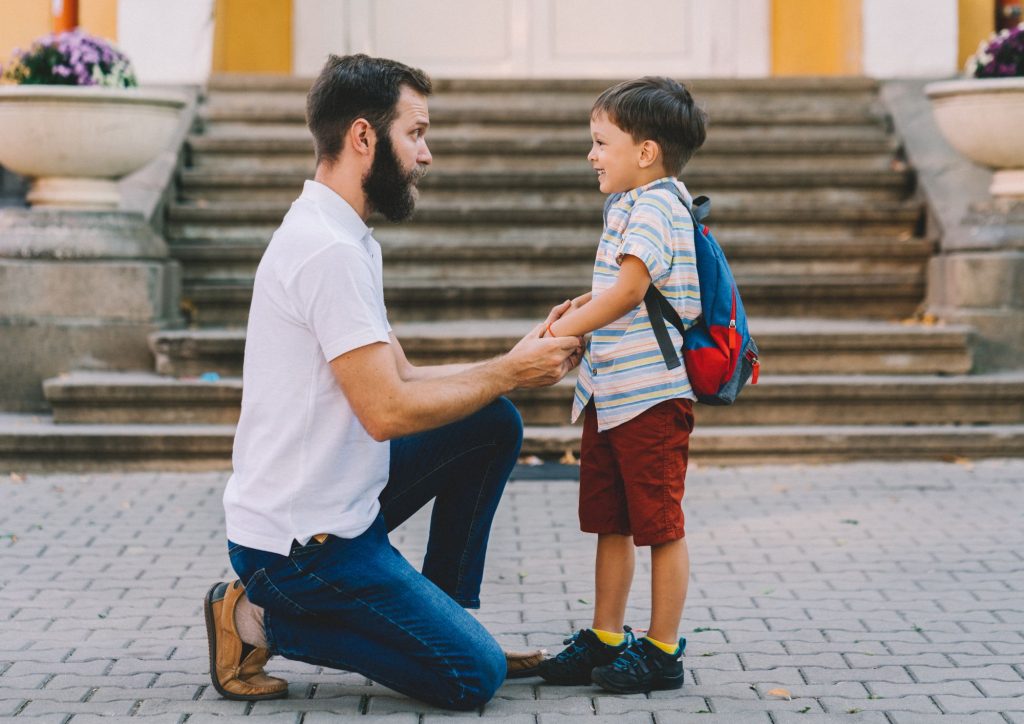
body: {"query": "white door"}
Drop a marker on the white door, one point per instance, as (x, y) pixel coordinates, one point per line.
(541, 38)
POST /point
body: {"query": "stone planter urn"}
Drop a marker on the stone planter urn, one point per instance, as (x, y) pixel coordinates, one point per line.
(75, 142)
(983, 119)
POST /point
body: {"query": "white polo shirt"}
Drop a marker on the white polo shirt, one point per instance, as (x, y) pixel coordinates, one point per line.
(303, 463)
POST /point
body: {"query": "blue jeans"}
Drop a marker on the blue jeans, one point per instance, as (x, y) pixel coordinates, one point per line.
(357, 604)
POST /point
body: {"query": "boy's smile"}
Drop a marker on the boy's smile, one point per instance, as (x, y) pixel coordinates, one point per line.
(620, 162)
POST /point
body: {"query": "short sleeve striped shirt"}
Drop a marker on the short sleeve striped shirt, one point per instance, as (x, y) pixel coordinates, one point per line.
(623, 368)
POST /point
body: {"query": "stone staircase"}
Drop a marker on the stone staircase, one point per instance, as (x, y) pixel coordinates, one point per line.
(811, 200)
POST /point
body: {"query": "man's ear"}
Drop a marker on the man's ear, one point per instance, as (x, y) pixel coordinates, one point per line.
(361, 137)
(650, 152)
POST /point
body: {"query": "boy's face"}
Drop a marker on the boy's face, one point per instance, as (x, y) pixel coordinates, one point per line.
(620, 162)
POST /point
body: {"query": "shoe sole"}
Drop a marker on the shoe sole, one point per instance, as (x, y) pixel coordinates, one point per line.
(665, 684)
(211, 641)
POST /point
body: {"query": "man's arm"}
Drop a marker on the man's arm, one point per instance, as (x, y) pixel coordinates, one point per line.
(409, 372)
(389, 406)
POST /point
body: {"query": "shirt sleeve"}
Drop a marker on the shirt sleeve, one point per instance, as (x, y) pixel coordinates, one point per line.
(648, 234)
(336, 293)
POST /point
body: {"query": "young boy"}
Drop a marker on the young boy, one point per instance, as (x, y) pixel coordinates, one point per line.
(638, 414)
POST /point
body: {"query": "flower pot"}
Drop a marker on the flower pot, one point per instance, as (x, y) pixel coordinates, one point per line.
(983, 118)
(75, 142)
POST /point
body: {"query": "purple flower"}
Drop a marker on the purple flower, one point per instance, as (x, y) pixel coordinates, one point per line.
(70, 58)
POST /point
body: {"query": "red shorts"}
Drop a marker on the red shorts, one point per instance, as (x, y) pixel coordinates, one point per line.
(632, 476)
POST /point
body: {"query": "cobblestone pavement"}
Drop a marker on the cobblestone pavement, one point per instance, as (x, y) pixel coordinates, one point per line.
(868, 593)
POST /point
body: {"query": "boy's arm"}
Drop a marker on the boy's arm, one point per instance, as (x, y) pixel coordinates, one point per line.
(625, 294)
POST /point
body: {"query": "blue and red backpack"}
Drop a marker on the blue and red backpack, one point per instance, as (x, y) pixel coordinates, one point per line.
(720, 354)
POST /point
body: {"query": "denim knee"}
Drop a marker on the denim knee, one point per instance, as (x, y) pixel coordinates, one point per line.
(475, 689)
(508, 420)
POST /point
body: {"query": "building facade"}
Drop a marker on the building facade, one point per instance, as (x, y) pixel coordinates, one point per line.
(185, 41)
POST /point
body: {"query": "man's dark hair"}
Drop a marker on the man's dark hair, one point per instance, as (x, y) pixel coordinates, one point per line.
(660, 110)
(356, 86)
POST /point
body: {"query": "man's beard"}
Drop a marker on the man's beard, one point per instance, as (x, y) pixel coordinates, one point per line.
(390, 190)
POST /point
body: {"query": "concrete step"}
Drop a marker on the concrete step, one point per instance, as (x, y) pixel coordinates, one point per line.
(887, 178)
(725, 108)
(268, 143)
(467, 252)
(249, 82)
(30, 443)
(779, 400)
(891, 296)
(788, 346)
(828, 206)
(745, 445)
(835, 400)
(37, 444)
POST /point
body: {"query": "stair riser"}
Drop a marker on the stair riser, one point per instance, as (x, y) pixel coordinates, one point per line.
(560, 112)
(552, 407)
(105, 454)
(767, 210)
(415, 238)
(853, 195)
(708, 449)
(288, 154)
(190, 361)
(579, 270)
(900, 304)
(755, 409)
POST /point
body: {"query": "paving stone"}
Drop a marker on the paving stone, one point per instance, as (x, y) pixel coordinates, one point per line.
(796, 717)
(902, 717)
(847, 626)
(964, 705)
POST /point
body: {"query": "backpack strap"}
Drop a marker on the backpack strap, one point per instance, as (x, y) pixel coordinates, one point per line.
(658, 308)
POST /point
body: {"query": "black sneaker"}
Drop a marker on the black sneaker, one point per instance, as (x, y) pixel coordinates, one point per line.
(585, 650)
(641, 668)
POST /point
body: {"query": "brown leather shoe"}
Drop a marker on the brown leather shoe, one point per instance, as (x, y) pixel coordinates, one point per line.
(521, 664)
(236, 668)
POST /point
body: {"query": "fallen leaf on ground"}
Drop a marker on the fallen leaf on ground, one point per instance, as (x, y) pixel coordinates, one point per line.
(15, 478)
(569, 459)
(530, 460)
(781, 693)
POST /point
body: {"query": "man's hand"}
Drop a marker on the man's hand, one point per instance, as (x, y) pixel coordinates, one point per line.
(537, 361)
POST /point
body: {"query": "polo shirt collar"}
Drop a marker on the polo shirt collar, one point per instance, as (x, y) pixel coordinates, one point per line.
(336, 208)
(634, 194)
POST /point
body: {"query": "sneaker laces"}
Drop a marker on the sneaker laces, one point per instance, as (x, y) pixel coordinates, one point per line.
(634, 656)
(575, 651)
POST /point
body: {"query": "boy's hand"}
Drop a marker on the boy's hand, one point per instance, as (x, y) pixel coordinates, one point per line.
(581, 300)
(555, 314)
(539, 362)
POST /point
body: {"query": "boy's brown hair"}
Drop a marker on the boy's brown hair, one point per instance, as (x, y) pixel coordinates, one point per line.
(356, 86)
(657, 109)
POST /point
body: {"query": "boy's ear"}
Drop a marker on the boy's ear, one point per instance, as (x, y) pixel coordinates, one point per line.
(650, 153)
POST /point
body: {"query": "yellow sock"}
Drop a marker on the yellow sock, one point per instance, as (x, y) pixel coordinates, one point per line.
(609, 638)
(667, 648)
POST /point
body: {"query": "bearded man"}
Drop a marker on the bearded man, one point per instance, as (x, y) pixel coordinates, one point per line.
(341, 438)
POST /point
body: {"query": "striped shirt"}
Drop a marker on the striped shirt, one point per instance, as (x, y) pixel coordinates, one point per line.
(623, 368)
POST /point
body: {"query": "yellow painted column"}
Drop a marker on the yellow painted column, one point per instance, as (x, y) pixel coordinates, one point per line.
(816, 37)
(25, 20)
(253, 36)
(977, 22)
(99, 17)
